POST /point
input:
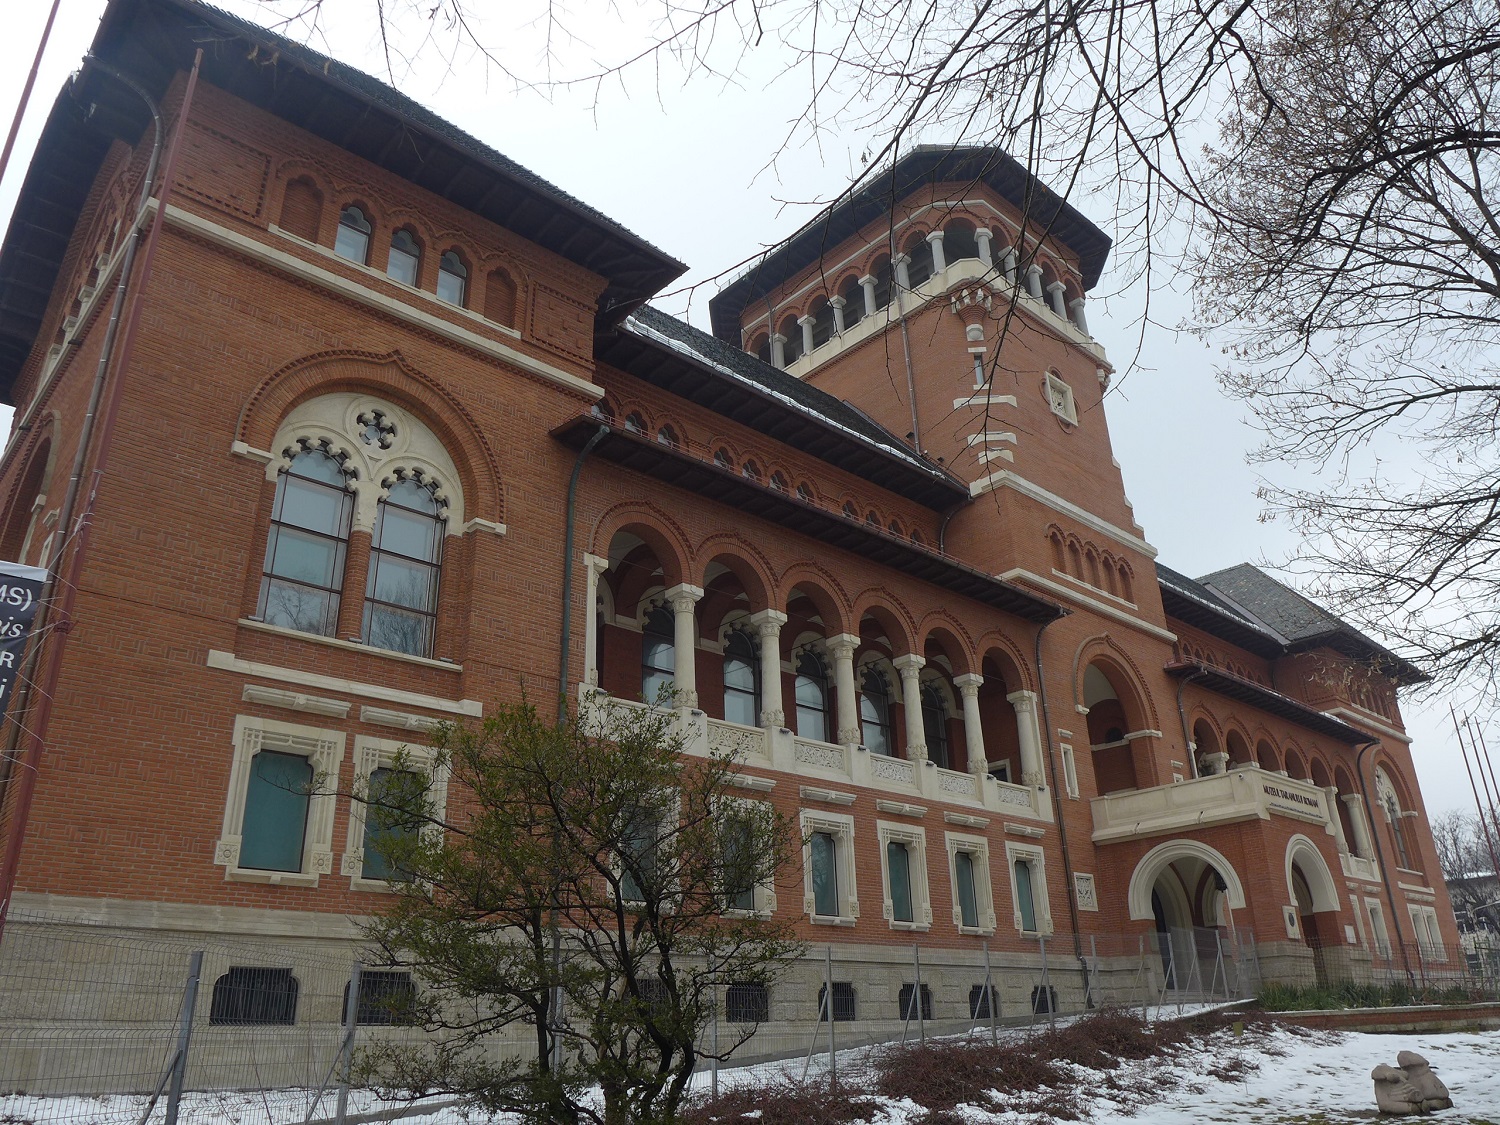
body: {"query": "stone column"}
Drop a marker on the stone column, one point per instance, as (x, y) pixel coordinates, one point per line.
(1034, 280)
(903, 275)
(807, 336)
(1331, 795)
(1029, 734)
(968, 690)
(867, 283)
(684, 600)
(939, 258)
(778, 349)
(591, 639)
(768, 623)
(838, 313)
(1363, 846)
(1055, 299)
(1080, 321)
(841, 648)
(983, 236)
(910, 667)
(1010, 264)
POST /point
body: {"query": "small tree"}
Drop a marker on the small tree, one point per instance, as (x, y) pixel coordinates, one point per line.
(590, 882)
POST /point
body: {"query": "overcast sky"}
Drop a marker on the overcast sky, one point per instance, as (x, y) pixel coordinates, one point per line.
(688, 166)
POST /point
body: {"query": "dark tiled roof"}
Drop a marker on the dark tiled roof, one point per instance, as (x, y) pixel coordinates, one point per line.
(882, 191)
(1196, 604)
(1302, 622)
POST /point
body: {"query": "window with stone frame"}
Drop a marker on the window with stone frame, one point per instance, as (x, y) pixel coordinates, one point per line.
(903, 860)
(380, 763)
(1028, 886)
(307, 546)
(829, 896)
(969, 870)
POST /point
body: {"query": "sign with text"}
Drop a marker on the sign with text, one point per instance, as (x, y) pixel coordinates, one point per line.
(20, 594)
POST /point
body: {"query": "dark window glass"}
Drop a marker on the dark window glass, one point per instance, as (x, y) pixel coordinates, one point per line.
(638, 858)
(823, 324)
(274, 825)
(843, 1002)
(960, 242)
(791, 332)
(919, 269)
(898, 868)
(741, 684)
(307, 545)
(386, 997)
(812, 697)
(884, 281)
(747, 1003)
(453, 279)
(908, 1002)
(1024, 899)
(387, 828)
(983, 1001)
(854, 302)
(875, 713)
(402, 590)
(405, 257)
(825, 877)
(353, 238)
(658, 653)
(739, 873)
(968, 903)
(935, 724)
(654, 997)
(248, 995)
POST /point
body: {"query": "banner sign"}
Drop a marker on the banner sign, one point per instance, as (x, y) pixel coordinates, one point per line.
(20, 593)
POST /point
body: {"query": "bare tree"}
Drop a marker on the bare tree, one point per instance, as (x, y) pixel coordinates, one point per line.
(1464, 856)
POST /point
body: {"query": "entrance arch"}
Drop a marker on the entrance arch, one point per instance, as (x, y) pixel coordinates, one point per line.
(1193, 855)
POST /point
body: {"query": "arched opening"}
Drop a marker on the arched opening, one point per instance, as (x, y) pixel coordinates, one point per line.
(635, 650)
(1210, 755)
(1346, 789)
(1315, 895)
(960, 241)
(997, 715)
(791, 333)
(1238, 748)
(882, 690)
(853, 294)
(731, 688)
(352, 240)
(760, 347)
(884, 277)
(23, 533)
(823, 325)
(919, 264)
(500, 298)
(1295, 765)
(1265, 754)
(1190, 898)
(453, 279)
(1112, 754)
(1320, 776)
(404, 261)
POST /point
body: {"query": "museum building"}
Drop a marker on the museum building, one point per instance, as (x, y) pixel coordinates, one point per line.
(869, 528)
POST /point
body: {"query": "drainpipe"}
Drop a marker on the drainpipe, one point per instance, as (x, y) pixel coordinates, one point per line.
(1187, 737)
(1062, 822)
(27, 673)
(1385, 879)
(567, 574)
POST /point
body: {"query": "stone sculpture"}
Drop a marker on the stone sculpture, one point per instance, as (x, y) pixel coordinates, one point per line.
(1429, 1085)
(1393, 1093)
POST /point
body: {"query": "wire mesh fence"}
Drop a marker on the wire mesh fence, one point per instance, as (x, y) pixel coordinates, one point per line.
(1391, 974)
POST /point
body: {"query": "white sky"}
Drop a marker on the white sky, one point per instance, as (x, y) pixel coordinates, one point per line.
(685, 165)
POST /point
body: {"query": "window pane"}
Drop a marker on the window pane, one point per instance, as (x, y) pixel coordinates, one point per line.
(406, 584)
(739, 691)
(452, 279)
(384, 826)
(397, 630)
(275, 820)
(658, 655)
(825, 875)
(402, 264)
(968, 905)
(297, 607)
(353, 238)
(1024, 899)
(409, 533)
(300, 557)
(639, 849)
(739, 874)
(316, 507)
(898, 863)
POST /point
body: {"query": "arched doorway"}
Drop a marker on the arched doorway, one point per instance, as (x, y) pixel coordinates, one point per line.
(1190, 892)
(1315, 896)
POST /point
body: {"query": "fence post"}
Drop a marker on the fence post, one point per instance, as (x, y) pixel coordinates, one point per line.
(991, 993)
(833, 1058)
(184, 1035)
(1047, 984)
(713, 1040)
(916, 956)
(346, 1049)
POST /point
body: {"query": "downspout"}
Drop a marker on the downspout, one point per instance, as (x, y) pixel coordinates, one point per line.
(567, 574)
(1385, 879)
(85, 439)
(1187, 737)
(942, 535)
(1062, 822)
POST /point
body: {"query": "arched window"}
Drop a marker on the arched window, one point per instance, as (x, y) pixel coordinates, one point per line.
(305, 551)
(405, 555)
(935, 723)
(919, 268)
(778, 482)
(812, 697)
(667, 436)
(453, 279)
(658, 653)
(959, 241)
(405, 259)
(353, 238)
(875, 712)
(823, 323)
(854, 302)
(805, 492)
(741, 683)
(751, 471)
(723, 459)
(635, 423)
(761, 348)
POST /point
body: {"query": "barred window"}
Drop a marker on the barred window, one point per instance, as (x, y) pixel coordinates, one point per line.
(249, 995)
(747, 1003)
(843, 1001)
(386, 997)
(908, 1002)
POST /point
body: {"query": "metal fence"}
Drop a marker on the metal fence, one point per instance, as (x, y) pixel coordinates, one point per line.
(1345, 975)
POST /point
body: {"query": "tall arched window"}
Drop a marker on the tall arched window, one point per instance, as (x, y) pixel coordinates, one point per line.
(854, 302)
(812, 697)
(353, 238)
(453, 279)
(658, 653)
(309, 539)
(405, 258)
(741, 683)
(875, 712)
(935, 723)
(401, 593)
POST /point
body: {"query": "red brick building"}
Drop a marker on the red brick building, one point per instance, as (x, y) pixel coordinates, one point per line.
(870, 527)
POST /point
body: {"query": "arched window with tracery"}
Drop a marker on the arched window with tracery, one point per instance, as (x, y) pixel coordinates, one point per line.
(353, 238)
(405, 559)
(308, 542)
(405, 261)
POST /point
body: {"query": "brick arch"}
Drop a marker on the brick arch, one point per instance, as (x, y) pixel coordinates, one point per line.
(742, 557)
(1201, 714)
(392, 375)
(36, 477)
(655, 527)
(1103, 647)
(892, 615)
(408, 218)
(995, 640)
(943, 628)
(1233, 729)
(826, 591)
